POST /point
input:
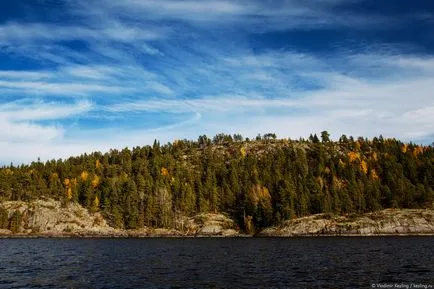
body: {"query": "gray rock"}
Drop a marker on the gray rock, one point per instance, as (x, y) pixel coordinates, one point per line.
(385, 222)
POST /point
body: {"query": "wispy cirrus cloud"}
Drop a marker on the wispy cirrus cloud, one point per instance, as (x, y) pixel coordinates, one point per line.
(82, 80)
(259, 15)
(12, 33)
(58, 88)
(19, 119)
(26, 110)
(124, 73)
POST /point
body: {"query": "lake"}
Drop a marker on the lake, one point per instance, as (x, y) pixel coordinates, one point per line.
(317, 262)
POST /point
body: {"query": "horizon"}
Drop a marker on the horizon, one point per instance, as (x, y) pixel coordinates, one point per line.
(87, 76)
(264, 137)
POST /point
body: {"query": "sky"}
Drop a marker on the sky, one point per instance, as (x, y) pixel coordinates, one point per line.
(82, 76)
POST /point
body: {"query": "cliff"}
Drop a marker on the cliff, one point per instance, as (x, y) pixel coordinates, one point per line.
(385, 222)
(51, 218)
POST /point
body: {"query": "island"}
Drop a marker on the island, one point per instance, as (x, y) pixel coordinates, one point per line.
(227, 186)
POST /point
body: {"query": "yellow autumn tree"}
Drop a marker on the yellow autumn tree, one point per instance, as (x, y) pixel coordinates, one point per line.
(68, 185)
(84, 175)
(98, 164)
(243, 151)
(69, 193)
(95, 204)
(164, 172)
(364, 167)
(417, 151)
(374, 175)
(353, 156)
(374, 156)
(260, 204)
(260, 195)
(95, 181)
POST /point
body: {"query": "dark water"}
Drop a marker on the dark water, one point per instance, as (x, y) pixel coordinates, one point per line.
(216, 263)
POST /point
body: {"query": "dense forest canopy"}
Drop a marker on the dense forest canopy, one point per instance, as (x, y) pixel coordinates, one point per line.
(257, 182)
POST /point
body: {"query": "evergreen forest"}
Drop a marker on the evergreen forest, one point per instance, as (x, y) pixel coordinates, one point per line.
(257, 182)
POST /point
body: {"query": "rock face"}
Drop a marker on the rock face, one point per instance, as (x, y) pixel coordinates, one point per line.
(49, 217)
(211, 225)
(386, 222)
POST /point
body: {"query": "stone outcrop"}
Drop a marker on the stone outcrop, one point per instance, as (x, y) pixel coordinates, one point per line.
(210, 224)
(52, 218)
(385, 222)
(49, 217)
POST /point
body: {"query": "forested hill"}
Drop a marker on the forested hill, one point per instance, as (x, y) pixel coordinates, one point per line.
(257, 182)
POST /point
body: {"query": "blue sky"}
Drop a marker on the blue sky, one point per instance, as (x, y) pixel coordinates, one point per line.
(79, 76)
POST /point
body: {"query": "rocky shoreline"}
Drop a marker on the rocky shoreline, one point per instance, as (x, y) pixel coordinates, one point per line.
(381, 223)
(49, 218)
(52, 219)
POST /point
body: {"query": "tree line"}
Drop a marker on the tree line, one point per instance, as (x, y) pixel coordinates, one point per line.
(257, 182)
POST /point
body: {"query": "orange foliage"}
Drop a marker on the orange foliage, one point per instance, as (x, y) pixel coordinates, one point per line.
(164, 172)
(352, 156)
(374, 175)
(364, 167)
(258, 194)
(84, 175)
(66, 182)
(417, 150)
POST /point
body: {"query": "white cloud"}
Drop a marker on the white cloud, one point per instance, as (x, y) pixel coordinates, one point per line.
(151, 50)
(16, 74)
(58, 88)
(33, 111)
(81, 80)
(207, 104)
(254, 15)
(12, 33)
(18, 122)
(214, 84)
(346, 104)
(160, 88)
